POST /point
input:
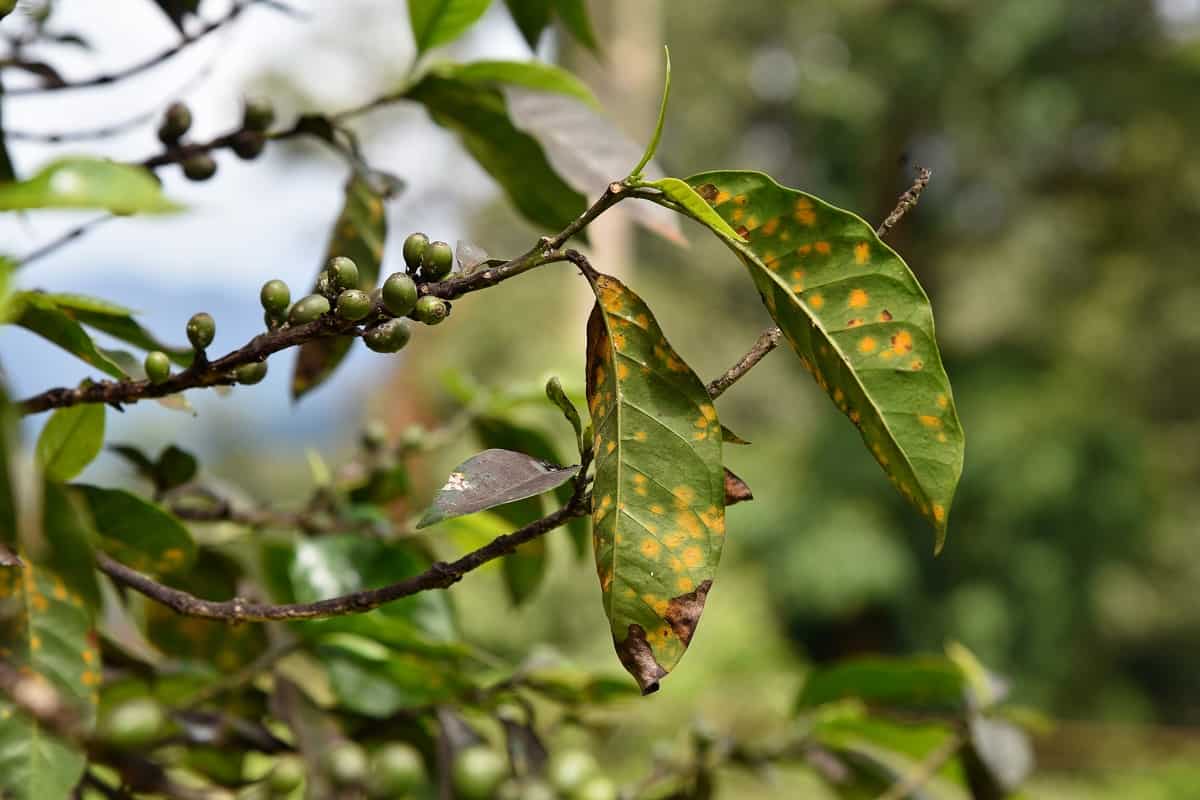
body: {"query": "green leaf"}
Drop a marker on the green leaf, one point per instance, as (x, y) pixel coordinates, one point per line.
(10, 435)
(493, 478)
(680, 192)
(525, 568)
(117, 321)
(175, 467)
(40, 315)
(658, 509)
(88, 183)
(68, 539)
(436, 22)
(536, 75)
(912, 684)
(531, 17)
(377, 681)
(47, 632)
(479, 115)
(574, 17)
(70, 441)
(860, 322)
(568, 684)
(359, 234)
(136, 532)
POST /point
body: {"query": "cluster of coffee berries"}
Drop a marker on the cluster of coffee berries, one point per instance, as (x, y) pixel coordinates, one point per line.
(247, 143)
(392, 770)
(201, 329)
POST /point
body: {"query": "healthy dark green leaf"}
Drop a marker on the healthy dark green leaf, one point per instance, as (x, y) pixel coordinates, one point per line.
(175, 467)
(48, 634)
(493, 478)
(436, 22)
(359, 234)
(41, 316)
(658, 513)
(479, 115)
(860, 322)
(136, 532)
(915, 684)
(531, 17)
(88, 183)
(70, 441)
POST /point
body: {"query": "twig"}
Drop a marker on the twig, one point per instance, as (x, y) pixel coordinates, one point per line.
(109, 78)
(908, 200)
(439, 576)
(923, 771)
(767, 341)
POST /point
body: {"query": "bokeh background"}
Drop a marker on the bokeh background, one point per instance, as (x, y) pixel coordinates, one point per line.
(1057, 241)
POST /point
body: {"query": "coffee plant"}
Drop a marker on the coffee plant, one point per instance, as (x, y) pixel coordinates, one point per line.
(142, 656)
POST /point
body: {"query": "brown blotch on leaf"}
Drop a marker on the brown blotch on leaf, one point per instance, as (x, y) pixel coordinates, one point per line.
(708, 192)
(742, 231)
(885, 316)
(637, 657)
(736, 490)
(683, 612)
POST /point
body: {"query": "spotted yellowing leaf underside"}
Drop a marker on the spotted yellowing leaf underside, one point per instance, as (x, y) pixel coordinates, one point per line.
(860, 322)
(658, 509)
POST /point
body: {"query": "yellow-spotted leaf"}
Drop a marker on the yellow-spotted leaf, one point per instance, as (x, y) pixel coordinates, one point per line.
(136, 532)
(860, 322)
(658, 513)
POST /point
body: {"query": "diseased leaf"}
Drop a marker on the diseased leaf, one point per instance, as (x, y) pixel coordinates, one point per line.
(46, 630)
(359, 234)
(479, 115)
(678, 191)
(136, 532)
(41, 316)
(913, 684)
(116, 321)
(490, 479)
(70, 441)
(658, 512)
(436, 22)
(88, 183)
(68, 540)
(586, 149)
(859, 321)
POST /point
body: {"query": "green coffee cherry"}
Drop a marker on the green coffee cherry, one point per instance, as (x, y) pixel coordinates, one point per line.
(431, 310)
(201, 329)
(353, 305)
(257, 115)
(308, 309)
(399, 294)
(388, 336)
(175, 123)
(570, 769)
(248, 145)
(134, 723)
(344, 272)
(275, 296)
(596, 787)
(250, 374)
(528, 789)
(287, 775)
(347, 764)
(478, 772)
(414, 248)
(396, 769)
(158, 366)
(199, 167)
(437, 261)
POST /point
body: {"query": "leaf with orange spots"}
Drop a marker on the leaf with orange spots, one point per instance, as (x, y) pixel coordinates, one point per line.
(45, 633)
(860, 323)
(136, 532)
(358, 234)
(658, 508)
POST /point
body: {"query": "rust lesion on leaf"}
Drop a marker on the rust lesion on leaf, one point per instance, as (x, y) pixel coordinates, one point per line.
(638, 658)
(683, 612)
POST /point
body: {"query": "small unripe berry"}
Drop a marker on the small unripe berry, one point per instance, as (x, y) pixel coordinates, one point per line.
(308, 309)
(388, 336)
(199, 167)
(158, 366)
(248, 145)
(275, 296)
(175, 123)
(257, 115)
(344, 272)
(353, 305)
(414, 247)
(431, 310)
(399, 294)
(477, 772)
(201, 329)
(133, 723)
(252, 373)
(347, 764)
(287, 775)
(396, 770)
(437, 261)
